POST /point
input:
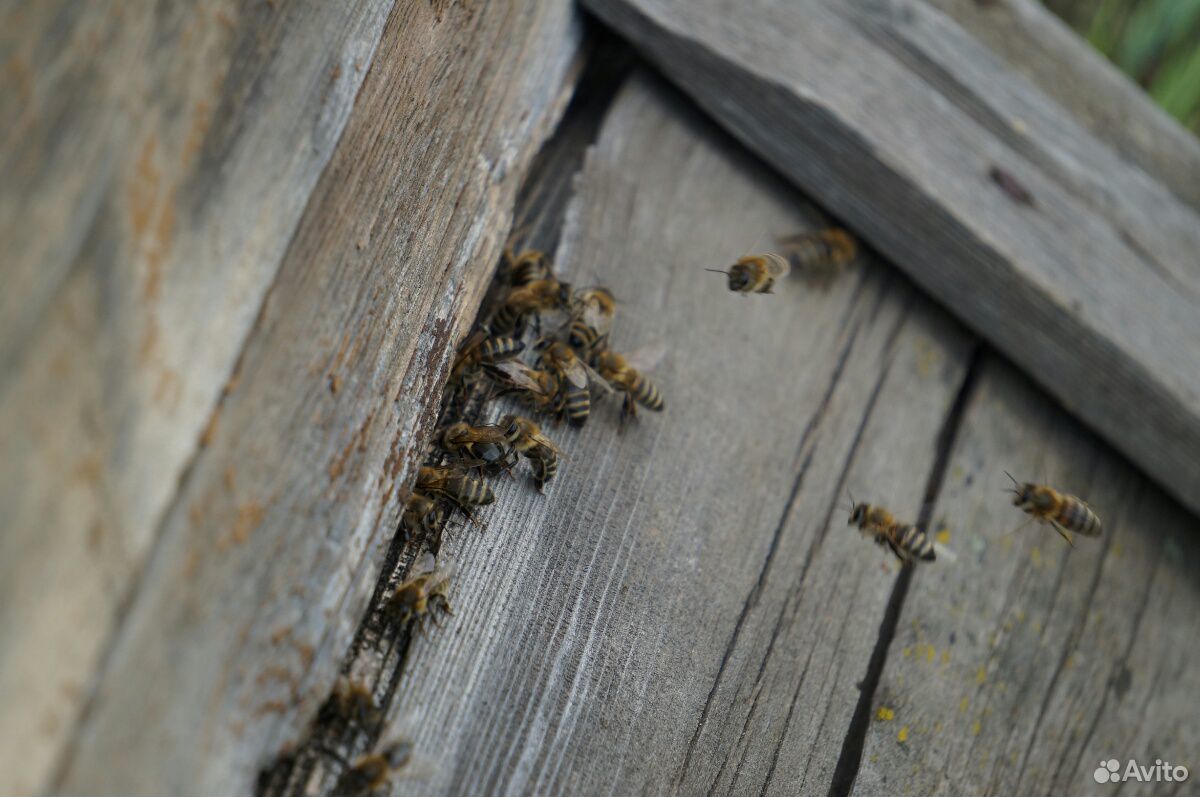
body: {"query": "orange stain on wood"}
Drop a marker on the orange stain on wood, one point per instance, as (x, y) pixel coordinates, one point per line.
(229, 476)
(201, 120)
(249, 516)
(168, 390)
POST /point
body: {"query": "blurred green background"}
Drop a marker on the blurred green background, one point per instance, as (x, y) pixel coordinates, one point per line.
(1156, 42)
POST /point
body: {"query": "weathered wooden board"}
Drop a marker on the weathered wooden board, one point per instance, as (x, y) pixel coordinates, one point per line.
(154, 162)
(685, 606)
(1026, 664)
(893, 117)
(1039, 46)
(273, 541)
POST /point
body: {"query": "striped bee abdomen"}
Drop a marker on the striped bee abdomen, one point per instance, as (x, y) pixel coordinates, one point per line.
(470, 491)
(577, 404)
(647, 394)
(1077, 516)
(913, 542)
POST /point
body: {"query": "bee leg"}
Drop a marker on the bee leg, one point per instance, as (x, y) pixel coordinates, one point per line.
(1063, 532)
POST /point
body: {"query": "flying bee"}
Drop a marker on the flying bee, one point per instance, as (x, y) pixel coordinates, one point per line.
(370, 773)
(480, 349)
(456, 484)
(821, 250)
(573, 400)
(536, 387)
(756, 273)
(535, 297)
(421, 513)
(1062, 511)
(526, 267)
(526, 437)
(622, 376)
(486, 447)
(423, 591)
(353, 703)
(906, 541)
(592, 320)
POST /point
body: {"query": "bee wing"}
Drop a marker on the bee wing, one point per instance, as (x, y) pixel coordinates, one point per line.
(591, 375)
(596, 318)
(576, 371)
(541, 439)
(945, 553)
(425, 563)
(519, 374)
(647, 358)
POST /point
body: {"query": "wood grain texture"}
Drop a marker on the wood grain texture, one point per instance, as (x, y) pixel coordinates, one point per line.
(269, 549)
(154, 162)
(685, 606)
(893, 117)
(1040, 47)
(1027, 663)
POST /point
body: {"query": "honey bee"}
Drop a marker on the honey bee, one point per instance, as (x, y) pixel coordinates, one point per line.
(622, 376)
(535, 297)
(820, 250)
(526, 267)
(352, 702)
(756, 273)
(526, 437)
(907, 542)
(573, 399)
(1062, 511)
(421, 513)
(370, 773)
(421, 593)
(479, 349)
(538, 388)
(454, 483)
(487, 447)
(592, 320)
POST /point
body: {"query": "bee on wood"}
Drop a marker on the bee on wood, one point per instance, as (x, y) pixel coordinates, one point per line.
(907, 542)
(351, 702)
(526, 437)
(591, 321)
(756, 273)
(573, 400)
(622, 376)
(479, 349)
(535, 297)
(820, 251)
(421, 513)
(423, 591)
(528, 266)
(456, 484)
(1062, 511)
(486, 447)
(371, 773)
(537, 388)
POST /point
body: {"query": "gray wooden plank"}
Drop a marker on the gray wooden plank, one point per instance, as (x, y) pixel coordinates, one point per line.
(685, 607)
(1036, 44)
(893, 117)
(155, 159)
(1023, 666)
(268, 552)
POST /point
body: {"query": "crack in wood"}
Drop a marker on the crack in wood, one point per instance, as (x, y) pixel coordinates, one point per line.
(850, 759)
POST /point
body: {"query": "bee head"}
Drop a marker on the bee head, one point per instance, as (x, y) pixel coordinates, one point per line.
(1024, 495)
(858, 515)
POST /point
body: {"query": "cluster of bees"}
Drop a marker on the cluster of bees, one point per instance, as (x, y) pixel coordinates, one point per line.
(571, 360)
(825, 252)
(546, 346)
